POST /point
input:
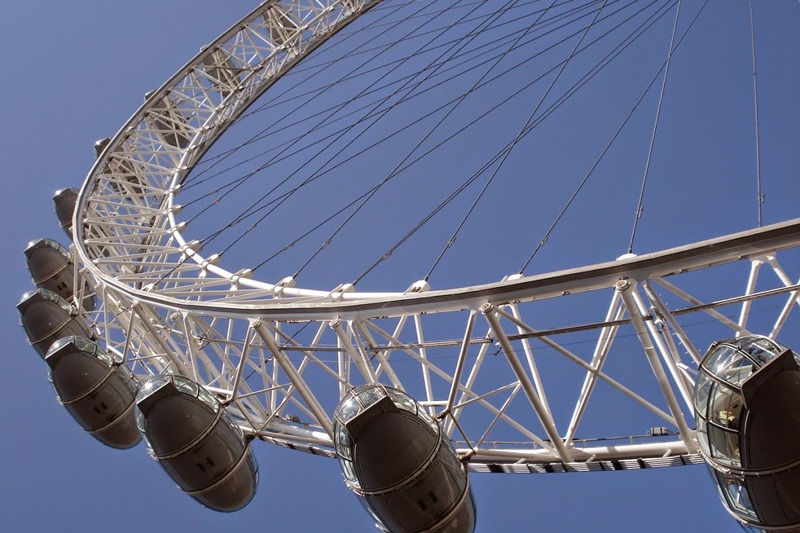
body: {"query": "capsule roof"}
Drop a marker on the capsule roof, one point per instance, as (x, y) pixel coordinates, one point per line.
(65, 201)
(46, 317)
(44, 242)
(734, 360)
(48, 263)
(52, 268)
(361, 404)
(76, 365)
(76, 343)
(361, 398)
(37, 295)
(100, 145)
(172, 385)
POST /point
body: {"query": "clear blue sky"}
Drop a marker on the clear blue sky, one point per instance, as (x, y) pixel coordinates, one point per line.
(73, 73)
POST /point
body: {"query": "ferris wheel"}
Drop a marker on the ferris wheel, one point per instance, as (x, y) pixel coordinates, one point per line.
(191, 257)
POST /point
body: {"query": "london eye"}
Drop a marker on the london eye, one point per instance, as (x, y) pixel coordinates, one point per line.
(524, 224)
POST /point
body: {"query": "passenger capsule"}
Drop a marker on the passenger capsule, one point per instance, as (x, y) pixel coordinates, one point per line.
(748, 427)
(51, 268)
(100, 146)
(46, 317)
(395, 457)
(189, 433)
(97, 392)
(65, 201)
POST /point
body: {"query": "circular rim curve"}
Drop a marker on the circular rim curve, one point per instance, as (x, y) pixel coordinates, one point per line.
(125, 218)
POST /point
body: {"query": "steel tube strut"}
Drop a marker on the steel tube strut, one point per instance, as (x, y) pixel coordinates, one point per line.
(527, 386)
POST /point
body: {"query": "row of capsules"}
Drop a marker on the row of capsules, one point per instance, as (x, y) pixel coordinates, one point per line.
(394, 456)
(186, 428)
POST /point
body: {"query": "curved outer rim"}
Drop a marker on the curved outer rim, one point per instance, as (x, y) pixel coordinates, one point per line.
(156, 203)
(682, 259)
(326, 19)
(283, 301)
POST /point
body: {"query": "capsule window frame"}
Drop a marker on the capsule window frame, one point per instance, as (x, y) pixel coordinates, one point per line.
(342, 441)
(719, 400)
(348, 409)
(369, 396)
(349, 473)
(732, 502)
(403, 401)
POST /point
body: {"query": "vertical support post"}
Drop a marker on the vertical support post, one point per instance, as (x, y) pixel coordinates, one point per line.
(527, 386)
(189, 344)
(462, 355)
(526, 347)
(294, 377)
(455, 412)
(423, 353)
(358, 356)
(623, 287)
(755, 267)
(601, 350)
(672, 323)
(688, 395)
(794, 296)
(140, 311)
(383, 362)
(242, 360)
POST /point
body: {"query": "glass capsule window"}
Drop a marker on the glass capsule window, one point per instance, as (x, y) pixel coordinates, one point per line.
(702, 434)
(356, 401)
(718, 410)
(147, 389)
(343, 442)
(718, 394)
(348, 410)
(103, 356)
(225, 418)
(359, 399)
(362, 397)
(86, 346)
(370, 396)
(735, 495)
(187, 387)
(207, 398)
(154, 384)
(349, 472)
(50, 243)
(402, 400)
(182, 384)
(56, 299)
(701, 395)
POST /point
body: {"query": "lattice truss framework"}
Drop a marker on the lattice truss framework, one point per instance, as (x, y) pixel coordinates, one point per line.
(516, 392)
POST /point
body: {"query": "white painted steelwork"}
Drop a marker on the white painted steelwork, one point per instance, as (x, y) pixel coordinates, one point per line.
(167, 306)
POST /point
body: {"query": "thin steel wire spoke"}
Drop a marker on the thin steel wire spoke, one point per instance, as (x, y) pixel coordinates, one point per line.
(640, 203)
